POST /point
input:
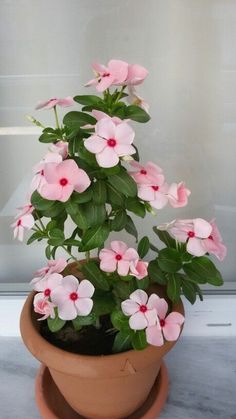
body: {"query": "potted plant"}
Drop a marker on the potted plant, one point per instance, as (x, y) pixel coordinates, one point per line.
(102, 325)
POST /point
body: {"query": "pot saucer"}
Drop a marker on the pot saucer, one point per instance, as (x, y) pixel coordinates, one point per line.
(52, 404)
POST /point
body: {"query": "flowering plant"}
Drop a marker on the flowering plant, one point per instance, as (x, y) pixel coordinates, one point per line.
(91, 176)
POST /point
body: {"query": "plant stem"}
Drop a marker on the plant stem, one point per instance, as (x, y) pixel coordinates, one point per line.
(119, 95)
(40, 222)
(72, 257)
(87, 255)
(56, 117)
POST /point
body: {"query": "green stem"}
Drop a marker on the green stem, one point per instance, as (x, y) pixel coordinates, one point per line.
(119, 95)
(56, 117)
(40, 222)
(72, 257)
(34, 121)
(87, 255)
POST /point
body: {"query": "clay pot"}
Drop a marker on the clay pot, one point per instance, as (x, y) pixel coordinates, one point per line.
(99, 387)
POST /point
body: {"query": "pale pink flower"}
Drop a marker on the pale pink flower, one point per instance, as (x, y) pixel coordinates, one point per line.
(62, 179)
(39, 170)
(53, 266)
(139, 269)
(169, 326)
(146, 174)
(48, 283)
(114, 74)
(51, 103)
(24, 222)
(192, 232)
(178, 195)
(155, 194)
(42, 305)
(140, 309)
(73, 298)
(110, 142)
(119, 258)
(136, 74)
(61, 147)
(26, 209)
(213, 244)
(135, 99)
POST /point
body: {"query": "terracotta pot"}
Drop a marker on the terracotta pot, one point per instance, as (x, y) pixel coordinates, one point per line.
(99, 387)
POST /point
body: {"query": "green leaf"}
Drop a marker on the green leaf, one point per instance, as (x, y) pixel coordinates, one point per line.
(39, 203)
(54, 211)
(103, 303)
(136, 114)
(56, 237)
(130, 228)
(123, 289)
(77, 119)
(72, 242)
(71, 207)
(95, 214)
(122, 342)
(109, 171)
(48, 252)
(143, 247)
(81, 321)
(169, 260)
(135, 206)
(114, 197)
(120, 321)
(173, 286)
(143, 284)
(189, 291)
(93, 273)
(99, 192)
(139, 341)
(82, 197)
(119, 221)
(56, 324)
(48, 136)
(80, 218)
(165, 237)
(202, 270)
(123, 183)
(94, 237)
(35, 236)
(155, 273)
(88, 100)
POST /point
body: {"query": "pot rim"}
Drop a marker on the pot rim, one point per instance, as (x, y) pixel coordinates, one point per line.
(120, 364)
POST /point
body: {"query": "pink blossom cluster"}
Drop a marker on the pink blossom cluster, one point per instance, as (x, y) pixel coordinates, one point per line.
(24, 221)
(153, 188)
(150, 313)
(123, 259)
(71, 297)
(200, 235)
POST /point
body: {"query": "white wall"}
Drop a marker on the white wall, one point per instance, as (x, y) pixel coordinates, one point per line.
(189, 48)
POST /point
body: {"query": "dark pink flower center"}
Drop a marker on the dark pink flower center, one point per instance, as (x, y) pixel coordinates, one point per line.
(63, 181)
(18, 223)
(155, 188)
(210, 237)
(47, 292)
(191, 234)
(118, 257)
(105, 74)
(162, 322)
(42, 173)
(143, 308)
(143, 172)
(74, 296)
(111, 142)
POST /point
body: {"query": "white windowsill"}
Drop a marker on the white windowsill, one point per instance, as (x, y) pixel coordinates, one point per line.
(215, 316)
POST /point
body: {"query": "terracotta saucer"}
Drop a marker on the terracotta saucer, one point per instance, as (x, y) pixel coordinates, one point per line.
(52, 404)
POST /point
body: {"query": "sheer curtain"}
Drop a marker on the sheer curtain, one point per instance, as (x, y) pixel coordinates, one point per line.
(189, 48)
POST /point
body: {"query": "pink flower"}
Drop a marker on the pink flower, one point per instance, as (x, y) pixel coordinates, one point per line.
(192, 231)
(139, 269)
(169, 326)
(42, 305)
(135, 99)
(115, 73)
(62, 179)
(119, 258)
(53, 266)
(49, 104)
(48, 283)
(26, 209)
(148, 174)
(178, 195)
(140, 309)
(136, 74)
(155, 194)
(24, 222)
(73, 298)
(39, 170)
(213, 244)
(110, 142)
(61, 147)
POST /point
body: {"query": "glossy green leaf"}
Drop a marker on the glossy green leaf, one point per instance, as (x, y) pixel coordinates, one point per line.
(143, 247)
(81, 321)
(130, 227)
(135, 206)
(173, 286)
(155, 273)
(95, 275)
(137, 114)
(122, 342)
(99, 192)
(39, 203)
(169, 260)
(56, 324)
(165, 237)
(94, 237)
(120, 321)
(123, 183)
(139, 341)
(119, 221)
(88, 100)
(77, 119)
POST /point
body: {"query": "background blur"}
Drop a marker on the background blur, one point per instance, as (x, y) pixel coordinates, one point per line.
(189, 48)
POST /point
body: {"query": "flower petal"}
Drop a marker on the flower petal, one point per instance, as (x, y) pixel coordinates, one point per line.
(107, 157)
(85, 289)
(105, 128)
(171, 331)
(123, 267)
(95, 144)
(138, 321)
(124, 133)
(202, 228)
(139, 296)
(84, 306)
(129, 307)
(154, 336)
(67, 310)
(195, 247)
(70, 283)
(119, 247)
